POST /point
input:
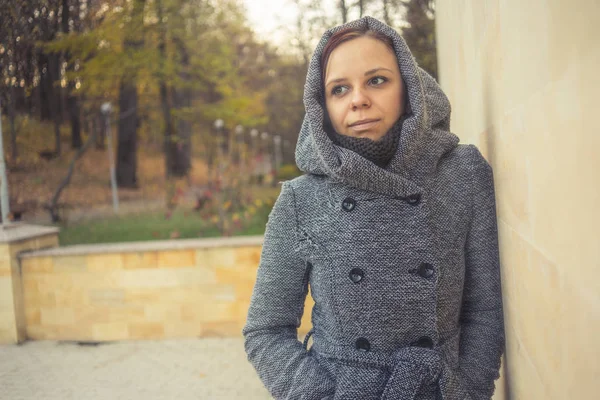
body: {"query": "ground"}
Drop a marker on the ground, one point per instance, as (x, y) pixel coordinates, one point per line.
(208, 368)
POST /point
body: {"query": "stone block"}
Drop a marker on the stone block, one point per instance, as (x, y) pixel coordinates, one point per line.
(70, 264)
(222, 329)
(142, 295)
(247, 257)
(183, 329)
(128, 314)
(164, 277)
(241, 274)
(217, 311)
(110, 331)
(141, 260)
(6, 294)
(42, 332)
(90, 315)
(216, 257)
(107, 297)
(104, 262)
(33, 316)
(162, 313)
(147, 330)
(37, 265)
(5, 268)
(57, 316)
(176, 258)
(7, 334)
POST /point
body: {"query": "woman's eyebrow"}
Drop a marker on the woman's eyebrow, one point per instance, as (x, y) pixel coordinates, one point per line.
(335, 81)
(375, 70)
(369, 72)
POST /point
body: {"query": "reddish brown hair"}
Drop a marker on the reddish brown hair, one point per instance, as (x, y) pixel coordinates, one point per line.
(346, 35)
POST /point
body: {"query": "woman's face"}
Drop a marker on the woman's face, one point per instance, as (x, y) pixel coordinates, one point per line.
(364, 92)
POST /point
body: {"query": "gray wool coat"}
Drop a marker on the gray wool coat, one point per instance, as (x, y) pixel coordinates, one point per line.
(402, 262)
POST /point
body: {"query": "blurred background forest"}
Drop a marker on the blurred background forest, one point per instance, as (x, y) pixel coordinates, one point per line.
(204, 112)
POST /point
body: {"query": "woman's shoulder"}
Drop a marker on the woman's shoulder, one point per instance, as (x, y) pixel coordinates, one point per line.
(305, 182)
(468, 156)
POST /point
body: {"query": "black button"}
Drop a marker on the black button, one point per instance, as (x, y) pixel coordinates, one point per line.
(356, 275)
(348, 204)
(363, 344)
(413, 199)
(425, 342)
(425, 270)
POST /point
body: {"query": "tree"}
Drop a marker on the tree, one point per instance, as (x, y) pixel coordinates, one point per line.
(420, 33)
(72, 100)
(128, 99)
(343, 11)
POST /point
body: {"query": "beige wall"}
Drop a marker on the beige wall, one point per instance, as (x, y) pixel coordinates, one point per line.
(523, 78)
(154, 290)
(13, 241)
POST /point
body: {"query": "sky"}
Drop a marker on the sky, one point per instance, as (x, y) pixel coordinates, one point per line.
(266, 16)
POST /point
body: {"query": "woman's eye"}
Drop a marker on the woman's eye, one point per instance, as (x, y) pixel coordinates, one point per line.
(378, 80)
(339, 90)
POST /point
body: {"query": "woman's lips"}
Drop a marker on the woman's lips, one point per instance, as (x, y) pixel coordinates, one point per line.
(364, 126)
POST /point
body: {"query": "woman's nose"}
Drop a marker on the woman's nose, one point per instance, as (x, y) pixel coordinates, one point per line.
(360, 99)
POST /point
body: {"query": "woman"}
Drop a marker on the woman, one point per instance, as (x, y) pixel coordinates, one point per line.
(393, 227)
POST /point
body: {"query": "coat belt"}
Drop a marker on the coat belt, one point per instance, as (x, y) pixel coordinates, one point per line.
(411, 367)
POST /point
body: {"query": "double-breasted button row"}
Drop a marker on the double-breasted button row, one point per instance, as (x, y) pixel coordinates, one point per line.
(356, 275)
(362, 344)
(424, 341)
(425, 270)
(413, 199)
(349, 204)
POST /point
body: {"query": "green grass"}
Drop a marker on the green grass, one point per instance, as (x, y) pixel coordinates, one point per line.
(155, 226)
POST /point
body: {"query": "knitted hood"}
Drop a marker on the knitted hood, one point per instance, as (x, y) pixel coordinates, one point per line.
(424, 138)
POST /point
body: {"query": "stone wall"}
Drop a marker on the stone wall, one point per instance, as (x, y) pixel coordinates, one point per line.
(15, 239)
(150, 290)
(522, 77)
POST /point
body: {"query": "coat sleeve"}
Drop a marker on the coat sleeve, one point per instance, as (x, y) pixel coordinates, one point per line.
(286, 369)
(482, 322)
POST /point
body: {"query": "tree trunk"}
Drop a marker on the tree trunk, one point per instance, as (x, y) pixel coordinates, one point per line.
(127, 142)
(179, 150)
(72, 101)
(361, 8)
(45, 86)
(164, 92)
(128, 103)
(13, 131)
(54, 76)
(344, 11)
(97, 124)
(73, 106)
(29, 74)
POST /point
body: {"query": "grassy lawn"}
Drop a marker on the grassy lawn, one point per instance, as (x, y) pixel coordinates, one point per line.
(154, 226)
(183, 223)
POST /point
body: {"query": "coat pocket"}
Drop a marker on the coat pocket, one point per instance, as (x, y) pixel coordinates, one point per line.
(354, 381)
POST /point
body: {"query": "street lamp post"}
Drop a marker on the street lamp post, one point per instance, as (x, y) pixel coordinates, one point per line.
(218, 125)
(277, 155)
(266, 162)
(106, 110)
(5, 206)
(253, 152)
(239, 138)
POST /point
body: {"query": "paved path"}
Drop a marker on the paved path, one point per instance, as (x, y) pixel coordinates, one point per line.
(149, 370)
